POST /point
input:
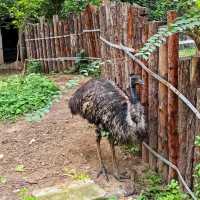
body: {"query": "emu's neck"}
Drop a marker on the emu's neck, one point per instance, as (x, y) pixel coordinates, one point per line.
(134, 97)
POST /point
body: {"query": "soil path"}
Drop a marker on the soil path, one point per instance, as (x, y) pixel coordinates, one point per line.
(45, 148)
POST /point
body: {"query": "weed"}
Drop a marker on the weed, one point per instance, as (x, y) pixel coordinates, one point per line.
(105, 133)
(72, 83)
(33, 66)
(3, 180)
(75, 175)
(131, 148)
(85, 66)
(19, 168)
(187, 52)
(24, 195)
(170, 192)
(25, 94)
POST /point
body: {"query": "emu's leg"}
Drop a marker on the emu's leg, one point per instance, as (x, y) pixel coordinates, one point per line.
(116, 173)
(103, 170)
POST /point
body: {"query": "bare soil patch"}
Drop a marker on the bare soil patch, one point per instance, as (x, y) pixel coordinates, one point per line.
(45, 148)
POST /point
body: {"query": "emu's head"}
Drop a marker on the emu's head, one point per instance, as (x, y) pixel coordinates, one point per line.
(134, 81)
(136, 109)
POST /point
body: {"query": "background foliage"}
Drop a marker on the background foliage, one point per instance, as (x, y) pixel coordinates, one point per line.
(25, 94)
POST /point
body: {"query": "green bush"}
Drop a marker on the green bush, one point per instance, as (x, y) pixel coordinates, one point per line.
(20, 95)
(156, 192)
(33, 67)
(77, 6)
(85, 66)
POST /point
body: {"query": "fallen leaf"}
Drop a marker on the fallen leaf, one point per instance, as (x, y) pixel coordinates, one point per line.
(19, 168)
(3, 179)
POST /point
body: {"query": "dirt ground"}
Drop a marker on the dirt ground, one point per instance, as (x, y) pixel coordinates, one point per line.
(45, 148)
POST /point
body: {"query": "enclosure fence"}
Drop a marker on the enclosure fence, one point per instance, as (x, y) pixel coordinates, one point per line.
(173, 123)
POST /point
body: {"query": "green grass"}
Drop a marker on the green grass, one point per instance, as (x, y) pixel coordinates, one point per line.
(156, 190)
(187, 52)
(25, 94)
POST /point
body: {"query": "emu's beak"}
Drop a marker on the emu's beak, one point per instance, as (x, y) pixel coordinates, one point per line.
(140, 81)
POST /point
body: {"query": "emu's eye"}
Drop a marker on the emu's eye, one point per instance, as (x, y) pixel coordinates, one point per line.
(135, 118)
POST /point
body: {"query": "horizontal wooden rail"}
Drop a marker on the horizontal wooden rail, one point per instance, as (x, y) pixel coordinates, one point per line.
(63, 36)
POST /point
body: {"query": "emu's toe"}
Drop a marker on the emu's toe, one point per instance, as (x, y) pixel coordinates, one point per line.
(121, 177)
(103, 171)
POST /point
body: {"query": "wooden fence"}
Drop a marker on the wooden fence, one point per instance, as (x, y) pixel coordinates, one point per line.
(55, 43)
(171, 124)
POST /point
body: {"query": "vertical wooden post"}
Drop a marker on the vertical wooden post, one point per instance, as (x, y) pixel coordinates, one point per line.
(102, 21)
(36, 42)
(56, 40)
(190, 121)
(40, 43)
(1, 49)
(144, 99)
(197, 149)
(22, 48)
(196, 61)
(48, 47)
(153, 101)
(184, 88)
(162, 111)
(173, 60)
(42, 22)
(61, 41)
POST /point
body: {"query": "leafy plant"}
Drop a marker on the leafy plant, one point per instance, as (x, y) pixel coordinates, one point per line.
(3, 179)
(85, 66)
(25, 94)
(105, 133)
(156, 8)
(171, 192)
(77, 6)
(187, 52)
(76, 175)
(33, 67)
(131, 148)
(24, 195)
(19, 168)
(72, 83)
(188, 23)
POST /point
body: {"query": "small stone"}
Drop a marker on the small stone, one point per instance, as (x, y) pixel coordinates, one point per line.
(78, 190)
(1, 156)
(32, 141)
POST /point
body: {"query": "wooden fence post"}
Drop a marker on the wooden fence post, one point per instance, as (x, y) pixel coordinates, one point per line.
(144, 99)
(42, 22)
(1, 49)
(48, 47)
(173, 60)
(162, 111)
(197, 149)
(56, 40)
(153, 101)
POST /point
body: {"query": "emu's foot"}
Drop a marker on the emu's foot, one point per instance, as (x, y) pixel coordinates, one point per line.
(103, 171)
(121, 177)
(129, 193)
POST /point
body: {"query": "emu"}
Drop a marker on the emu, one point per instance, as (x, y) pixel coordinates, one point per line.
(104, 104)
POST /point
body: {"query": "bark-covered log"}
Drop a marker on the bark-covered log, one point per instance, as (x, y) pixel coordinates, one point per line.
(173, 60)
(153, 101)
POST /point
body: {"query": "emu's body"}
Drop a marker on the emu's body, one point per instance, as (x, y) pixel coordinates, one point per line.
(102, 103)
